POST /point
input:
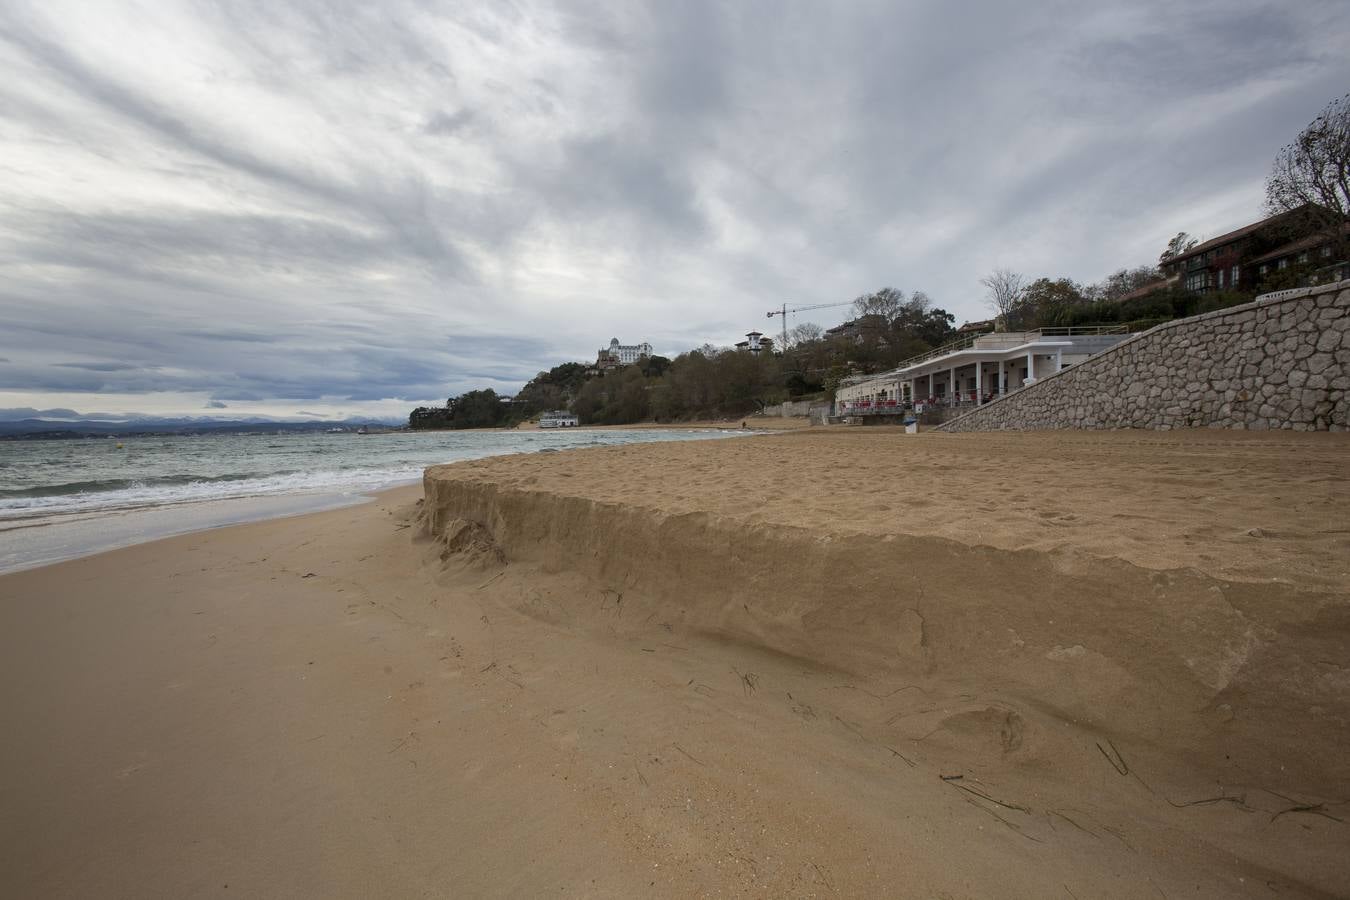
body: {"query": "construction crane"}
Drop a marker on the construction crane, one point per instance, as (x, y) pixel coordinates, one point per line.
(783, 311)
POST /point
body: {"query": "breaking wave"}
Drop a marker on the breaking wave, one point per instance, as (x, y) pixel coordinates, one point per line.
(113, 494)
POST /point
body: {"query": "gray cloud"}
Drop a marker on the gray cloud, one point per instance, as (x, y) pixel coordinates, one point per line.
(441, 122)
(396, 199)
(97, 367)
(318, 203)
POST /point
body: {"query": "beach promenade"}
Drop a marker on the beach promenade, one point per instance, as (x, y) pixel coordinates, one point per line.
(838, 662)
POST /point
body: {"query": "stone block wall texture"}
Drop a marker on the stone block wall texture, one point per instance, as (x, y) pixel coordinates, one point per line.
(797, 408)
(789, 408)
(1282, 362)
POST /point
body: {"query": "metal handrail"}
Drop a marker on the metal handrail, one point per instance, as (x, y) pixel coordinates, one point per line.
(1137, 325)
(1058, 331)
(950, 347)
(1028, 337)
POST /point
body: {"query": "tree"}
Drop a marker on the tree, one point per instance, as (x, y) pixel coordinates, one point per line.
(630, 403)
(653, 366)
(1176, 246)
(1005, 291)
(1312, 175)
(553, 389)
(885, 304)
(476, 409)
(537, 397)
(590, 401)
(804, 333)
(1049, 302)
(427, 417)
(747, 382)
(918, 302)
(919, 322)
(1122, 282)
(799, 382)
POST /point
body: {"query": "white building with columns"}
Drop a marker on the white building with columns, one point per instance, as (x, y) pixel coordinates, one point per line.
(973, 370)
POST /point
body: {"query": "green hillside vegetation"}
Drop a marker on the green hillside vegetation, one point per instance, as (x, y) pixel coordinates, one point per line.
(476, 409)
(887, 328)
(1062, 302)
(713, 382)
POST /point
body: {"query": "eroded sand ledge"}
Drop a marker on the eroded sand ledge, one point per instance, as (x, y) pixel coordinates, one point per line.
(1174, 606)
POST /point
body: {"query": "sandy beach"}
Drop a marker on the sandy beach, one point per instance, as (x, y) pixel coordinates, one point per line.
(751, 423)
(836, 662)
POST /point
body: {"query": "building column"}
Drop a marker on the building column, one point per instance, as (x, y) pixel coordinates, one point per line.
(1031, 367)
(1059, 359)
(1002, 377)
(951, 385)
(979, 384)
(930, 384)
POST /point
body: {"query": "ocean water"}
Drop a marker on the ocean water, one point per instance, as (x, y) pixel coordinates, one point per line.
(66, 498)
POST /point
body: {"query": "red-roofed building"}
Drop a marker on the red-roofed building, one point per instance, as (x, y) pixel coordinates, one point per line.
(1316, 251)
(1241, 259)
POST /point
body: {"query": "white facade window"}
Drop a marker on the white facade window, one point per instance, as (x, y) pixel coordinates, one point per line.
(625, 354)
(1264, 268)
(1233, 276)
(1326, 251)
(1303, 257)
(1282, 264)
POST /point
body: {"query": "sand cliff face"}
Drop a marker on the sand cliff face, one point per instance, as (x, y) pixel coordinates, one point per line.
(1215, 670)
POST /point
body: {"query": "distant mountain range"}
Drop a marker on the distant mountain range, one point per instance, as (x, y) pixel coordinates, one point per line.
(20, 424)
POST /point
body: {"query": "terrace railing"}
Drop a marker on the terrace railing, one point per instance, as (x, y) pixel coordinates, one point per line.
(963, 343)
(1080, 330)
(1014, 337)
(895, 407)
(967, 342)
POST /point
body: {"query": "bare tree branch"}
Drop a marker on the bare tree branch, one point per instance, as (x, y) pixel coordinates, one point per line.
(1005, 293)
(1176, 246)
(1312, 175)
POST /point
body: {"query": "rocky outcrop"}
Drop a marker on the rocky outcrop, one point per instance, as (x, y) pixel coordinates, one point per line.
(1282, 362)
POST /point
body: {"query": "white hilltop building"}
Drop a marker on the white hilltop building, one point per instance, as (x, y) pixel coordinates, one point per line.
(617, 354)
(755, 342)
(973, 370)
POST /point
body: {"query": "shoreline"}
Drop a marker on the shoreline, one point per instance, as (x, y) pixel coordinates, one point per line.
(37, 541)
(676, 669)
(769, 424)
(40, 537)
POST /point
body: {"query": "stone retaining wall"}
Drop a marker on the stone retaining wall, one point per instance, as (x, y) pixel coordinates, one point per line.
(800, 409)
(1280, 362)
(789, 408)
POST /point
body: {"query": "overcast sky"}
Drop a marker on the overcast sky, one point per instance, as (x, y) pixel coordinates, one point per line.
(352, 208)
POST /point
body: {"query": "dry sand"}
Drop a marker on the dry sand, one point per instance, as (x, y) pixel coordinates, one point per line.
(751, 423)
(830, 663)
